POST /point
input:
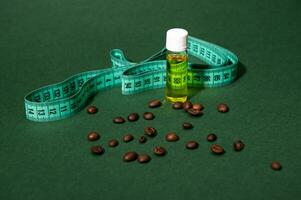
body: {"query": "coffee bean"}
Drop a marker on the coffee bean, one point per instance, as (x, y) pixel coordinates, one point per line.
(192, 145)
(177, 105)
(217, 149)
(187, 125)
(222, 107)
(211, 137)
(159, 151)
(97, 150)
(238, 145)
(150, 131)
(118, 120)
(113, 143)
(143, 158)
(187, 105)
(128, 137)
(142, 139)
(133, 117)
(154, 103)
(148, 116)
(275, 165)
(93, 136)
(194, 112)
(171, 137)
(130, 156)
(92, 109)
(197, 106)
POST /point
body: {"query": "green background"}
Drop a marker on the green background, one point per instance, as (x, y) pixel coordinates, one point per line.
(44, 42)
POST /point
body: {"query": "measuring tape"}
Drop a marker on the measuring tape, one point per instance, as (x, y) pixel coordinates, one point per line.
(64, 99)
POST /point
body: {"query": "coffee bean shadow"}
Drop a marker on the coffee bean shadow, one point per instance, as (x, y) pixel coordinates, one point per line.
(193, 91)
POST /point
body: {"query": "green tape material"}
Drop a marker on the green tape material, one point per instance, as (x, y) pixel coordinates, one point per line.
(64, 99)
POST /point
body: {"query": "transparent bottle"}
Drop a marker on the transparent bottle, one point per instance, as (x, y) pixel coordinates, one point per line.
(176, 65)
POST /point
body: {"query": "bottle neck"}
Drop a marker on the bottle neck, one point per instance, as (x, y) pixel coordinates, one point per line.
(177, 52)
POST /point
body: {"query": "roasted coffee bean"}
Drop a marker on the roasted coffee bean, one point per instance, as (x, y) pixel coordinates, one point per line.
(148, 116)
(171, 137)
(154, 103)
(197, 106)
(142, 139)
(187, 125)
(97, 150)
(93, 136)
(238, 145)
(133, 117)
(222, 107)
(128, 137)
(130, 156)
(118, 120)
(192, 145)
(177, 105)
(143, 158)
(92, 109)
(211, 137)
(194, 112)
(217, 149)
(113, 143)
(150, 131)
(275, 165)
(187, 105)
(159, 151)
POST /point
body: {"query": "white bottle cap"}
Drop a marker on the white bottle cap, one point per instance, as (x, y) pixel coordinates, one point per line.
(176, 39)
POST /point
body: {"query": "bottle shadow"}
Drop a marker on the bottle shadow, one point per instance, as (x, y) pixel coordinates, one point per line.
(193, 91)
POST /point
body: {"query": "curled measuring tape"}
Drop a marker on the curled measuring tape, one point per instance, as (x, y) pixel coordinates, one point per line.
(62, 100)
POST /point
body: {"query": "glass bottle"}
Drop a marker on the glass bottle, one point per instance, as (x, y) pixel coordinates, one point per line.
(176, 65)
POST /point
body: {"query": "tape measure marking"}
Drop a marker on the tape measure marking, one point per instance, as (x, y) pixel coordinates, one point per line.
(64, 99)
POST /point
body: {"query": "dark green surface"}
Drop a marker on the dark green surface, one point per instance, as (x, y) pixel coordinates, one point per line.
(43, 42)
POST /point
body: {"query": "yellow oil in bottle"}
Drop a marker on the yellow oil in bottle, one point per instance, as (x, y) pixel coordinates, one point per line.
(176, 76)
